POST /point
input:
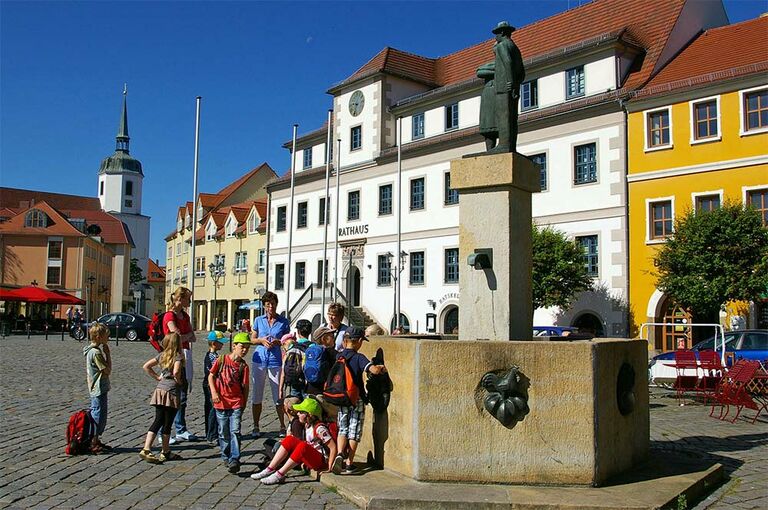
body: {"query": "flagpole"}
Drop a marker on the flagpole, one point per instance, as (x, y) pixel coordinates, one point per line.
(192, 314)
(290, 226)
(324, 212)
(336, 251)
(398, 258)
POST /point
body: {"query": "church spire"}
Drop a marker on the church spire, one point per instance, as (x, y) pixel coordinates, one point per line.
(122, 138)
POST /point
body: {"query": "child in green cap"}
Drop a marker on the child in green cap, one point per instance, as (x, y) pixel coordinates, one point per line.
(316, 452)
(228, 381)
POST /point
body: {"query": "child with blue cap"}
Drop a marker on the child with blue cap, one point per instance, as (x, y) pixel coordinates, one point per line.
(215, 343)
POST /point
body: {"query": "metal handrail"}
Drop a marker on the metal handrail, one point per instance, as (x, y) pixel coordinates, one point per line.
(718, 327)
(302, 301)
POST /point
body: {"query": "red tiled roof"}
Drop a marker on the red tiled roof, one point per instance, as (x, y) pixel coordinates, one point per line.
(208, 199)
(647, 23)
(22, 198)
(724, 52)
(113, 230)
(152, 267)
(57, 226)
(231, 188)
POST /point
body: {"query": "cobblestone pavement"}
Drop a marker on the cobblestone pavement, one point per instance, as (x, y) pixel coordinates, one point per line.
(37, 400)
(741, 447)
(39, 396)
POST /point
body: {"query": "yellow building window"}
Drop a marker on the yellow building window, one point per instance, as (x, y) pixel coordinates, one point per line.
(660, 219)
(658, 130)
(756, 110)
(707, 203)
(705, 120)
(758, 199)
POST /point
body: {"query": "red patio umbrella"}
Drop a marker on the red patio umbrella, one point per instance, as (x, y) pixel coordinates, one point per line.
(34, 294)
(7, 295)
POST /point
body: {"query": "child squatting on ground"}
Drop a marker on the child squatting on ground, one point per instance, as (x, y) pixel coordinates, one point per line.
(165, 398)
(228, 381)
(215, 343)
(98, 365)
(315, 452)
(350, 418)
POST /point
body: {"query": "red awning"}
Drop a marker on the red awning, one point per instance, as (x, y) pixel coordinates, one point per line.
(38, 295)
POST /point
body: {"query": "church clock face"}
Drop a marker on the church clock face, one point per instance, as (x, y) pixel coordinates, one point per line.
(356, 103)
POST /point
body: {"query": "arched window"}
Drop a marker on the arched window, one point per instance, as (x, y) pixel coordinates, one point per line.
(36, 219)
(451, 320)
(405, 325)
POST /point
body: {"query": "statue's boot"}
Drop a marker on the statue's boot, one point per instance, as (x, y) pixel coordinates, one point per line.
(500, 149)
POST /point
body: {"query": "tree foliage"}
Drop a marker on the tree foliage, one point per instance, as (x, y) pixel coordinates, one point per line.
(136, 275)
(559, 272)
(714, 257)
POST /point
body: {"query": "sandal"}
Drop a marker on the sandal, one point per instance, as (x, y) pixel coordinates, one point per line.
(169, 455)
(150, 457)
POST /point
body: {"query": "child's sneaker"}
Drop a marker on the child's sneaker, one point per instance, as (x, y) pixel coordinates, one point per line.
(274, 478)
(338, 464)
(262, 474)
(350, 468)
(150, 457)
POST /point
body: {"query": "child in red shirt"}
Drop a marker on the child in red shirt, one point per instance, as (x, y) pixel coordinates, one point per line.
(228, 380)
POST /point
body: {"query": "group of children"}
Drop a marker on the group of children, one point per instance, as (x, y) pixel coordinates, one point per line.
(321, 435)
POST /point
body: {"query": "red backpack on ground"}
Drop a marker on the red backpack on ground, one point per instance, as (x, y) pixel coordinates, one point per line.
(80, 433)
(340, 388)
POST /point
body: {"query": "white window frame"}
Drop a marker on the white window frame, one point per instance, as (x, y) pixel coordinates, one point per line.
(458, 116)
(54, 261)
(210, 231)
(200, 266)
(307, 155)
(692, 120)
(646, 120)
(410, 194)
(568, 96)
(253, 223)
(533, 86)
(596, 234)
(262, 260)
(414, 136)
(391, 199)
(241, 262)
(178, 249)
(648, 202)
(698, 194)
(352, 148)
(746, 189)
(179, 224)
(304, 203)
(230, 227)
(742, 117)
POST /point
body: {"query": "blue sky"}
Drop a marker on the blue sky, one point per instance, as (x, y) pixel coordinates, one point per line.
(259, 66)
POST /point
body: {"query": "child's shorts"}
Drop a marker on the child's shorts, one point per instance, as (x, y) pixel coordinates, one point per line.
(350, 421)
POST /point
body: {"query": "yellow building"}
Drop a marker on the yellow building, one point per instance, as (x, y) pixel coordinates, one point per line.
(698, 136)
(231, 232)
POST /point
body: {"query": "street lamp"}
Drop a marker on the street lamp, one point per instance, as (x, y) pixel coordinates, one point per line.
(395, 274)
(216, 269)
(89, 294)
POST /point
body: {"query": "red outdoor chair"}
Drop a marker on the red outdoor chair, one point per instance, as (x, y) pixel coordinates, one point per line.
(685, 361)
(734, 391)
(712, 373)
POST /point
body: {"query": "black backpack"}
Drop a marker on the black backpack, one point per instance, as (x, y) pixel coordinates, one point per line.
(293, 368)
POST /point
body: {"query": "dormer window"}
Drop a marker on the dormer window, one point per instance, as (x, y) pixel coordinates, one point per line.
(36, 219)
(187, 221)
(253, 223)
(210, 232)
(179, 224)
(231, 227)
(200, 212)
(308, 157)
(574, 82)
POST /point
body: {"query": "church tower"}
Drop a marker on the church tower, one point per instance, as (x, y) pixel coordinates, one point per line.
(120, 181)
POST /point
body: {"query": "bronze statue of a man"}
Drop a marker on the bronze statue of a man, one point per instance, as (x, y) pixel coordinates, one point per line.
(509, 73)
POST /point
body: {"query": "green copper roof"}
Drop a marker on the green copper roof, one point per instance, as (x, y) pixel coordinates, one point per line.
(121, 161)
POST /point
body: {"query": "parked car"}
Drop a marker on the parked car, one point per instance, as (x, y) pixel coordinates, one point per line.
(130, 326)
(751, 344)
(553, 330)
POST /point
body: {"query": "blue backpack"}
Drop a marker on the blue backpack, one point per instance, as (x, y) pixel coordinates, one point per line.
(312, 368)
